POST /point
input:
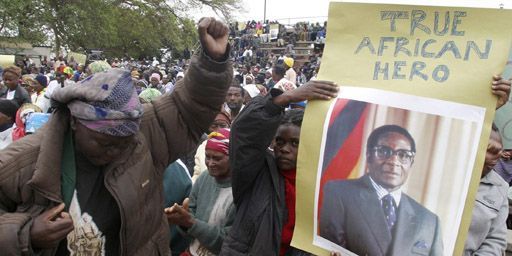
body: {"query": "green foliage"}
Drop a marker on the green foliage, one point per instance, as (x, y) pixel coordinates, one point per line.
(136, 28)
(19, 23)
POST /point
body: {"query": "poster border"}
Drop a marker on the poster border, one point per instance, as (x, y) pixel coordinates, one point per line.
(411, 103)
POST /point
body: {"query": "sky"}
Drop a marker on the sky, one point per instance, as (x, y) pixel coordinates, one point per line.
(292, 11)
(285, 11)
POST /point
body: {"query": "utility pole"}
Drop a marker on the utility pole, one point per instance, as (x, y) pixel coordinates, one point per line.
(264, 11)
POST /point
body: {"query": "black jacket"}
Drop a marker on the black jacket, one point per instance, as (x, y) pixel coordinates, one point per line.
(258, 187)
(21, 95)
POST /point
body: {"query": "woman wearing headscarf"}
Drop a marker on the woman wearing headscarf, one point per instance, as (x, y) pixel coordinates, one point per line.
(91, 178)
(12, 89)
(222, 120)
(18, 129)
(154, 80)
(39, 91)
(149, 94)
(208, 214)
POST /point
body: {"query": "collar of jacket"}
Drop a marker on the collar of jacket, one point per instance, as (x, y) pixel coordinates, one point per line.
(47, 174)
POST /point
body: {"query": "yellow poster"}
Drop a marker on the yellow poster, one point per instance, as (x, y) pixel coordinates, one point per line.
(78, 57)
(6, 60)
(415, 88)
(274, 31)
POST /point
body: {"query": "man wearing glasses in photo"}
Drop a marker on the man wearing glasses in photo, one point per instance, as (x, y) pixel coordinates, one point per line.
(371, 215)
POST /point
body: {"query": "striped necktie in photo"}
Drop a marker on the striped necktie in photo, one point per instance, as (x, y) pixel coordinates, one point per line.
(389, 207)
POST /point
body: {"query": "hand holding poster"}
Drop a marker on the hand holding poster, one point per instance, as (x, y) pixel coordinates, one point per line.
(429, 111)
(503, 117)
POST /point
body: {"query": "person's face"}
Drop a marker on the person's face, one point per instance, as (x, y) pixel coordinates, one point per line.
(286, 146)
(217, 164)
(165, 80)
(10, 80)
(493, 153)
(390, 170)
(100, 149)
(154, 81)
(234, 98)
(36, 87)
(27, 86)
(61, 77)
(218, 124)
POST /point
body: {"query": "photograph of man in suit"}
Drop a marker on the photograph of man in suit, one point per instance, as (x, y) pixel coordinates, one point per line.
(371, 215)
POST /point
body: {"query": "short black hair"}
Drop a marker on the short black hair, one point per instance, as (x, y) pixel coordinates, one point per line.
(293, 117)
(238, 79)
(242, 90)
(9, 108)
(260, 79)
(279, 70)
(385, 129)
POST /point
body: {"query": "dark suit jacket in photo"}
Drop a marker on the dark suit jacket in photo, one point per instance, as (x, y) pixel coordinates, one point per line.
(352, 217)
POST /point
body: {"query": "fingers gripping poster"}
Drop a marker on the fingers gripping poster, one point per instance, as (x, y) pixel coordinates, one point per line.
(392, 165)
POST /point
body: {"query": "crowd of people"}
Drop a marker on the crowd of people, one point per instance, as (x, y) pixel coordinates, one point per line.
(127, 157)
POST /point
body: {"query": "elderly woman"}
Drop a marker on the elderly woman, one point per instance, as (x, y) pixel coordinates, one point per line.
(222, 120)
(209, 213)
(91, 179)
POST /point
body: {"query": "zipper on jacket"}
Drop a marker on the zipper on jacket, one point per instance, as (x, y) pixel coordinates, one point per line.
(121, 212)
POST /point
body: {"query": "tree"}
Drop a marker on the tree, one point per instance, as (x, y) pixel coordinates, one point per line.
(119, 27)
(18, 22)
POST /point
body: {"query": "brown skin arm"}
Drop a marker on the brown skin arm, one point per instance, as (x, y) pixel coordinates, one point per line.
(312, 90)
(49, 228)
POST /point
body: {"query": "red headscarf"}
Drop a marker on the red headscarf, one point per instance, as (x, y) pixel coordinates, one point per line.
(219, 141)
(18, 132)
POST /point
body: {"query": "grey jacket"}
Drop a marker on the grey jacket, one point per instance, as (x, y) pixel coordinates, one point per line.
(488, 230)
(352, 217)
